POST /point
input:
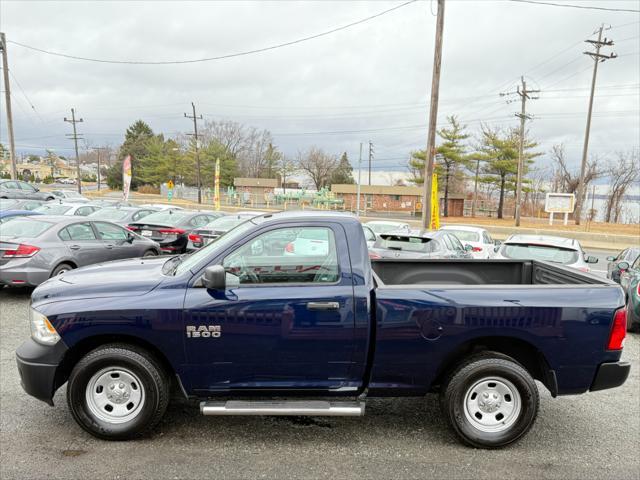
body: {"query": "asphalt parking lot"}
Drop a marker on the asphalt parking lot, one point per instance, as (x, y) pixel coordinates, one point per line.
(588, 436)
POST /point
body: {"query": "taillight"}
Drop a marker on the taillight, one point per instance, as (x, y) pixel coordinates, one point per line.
(195, 238)
(374, 255)
(175, 231)
(638, 289)
(290, 248)
(584, 269)
(132, 228)
(22, 251)
(476, 249)
(618, 330)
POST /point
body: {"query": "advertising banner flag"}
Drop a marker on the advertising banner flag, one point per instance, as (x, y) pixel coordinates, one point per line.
(126, 177)
(435, 204)
(216, 186)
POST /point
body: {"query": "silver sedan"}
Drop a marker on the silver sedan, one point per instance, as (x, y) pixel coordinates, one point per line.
(33, 249)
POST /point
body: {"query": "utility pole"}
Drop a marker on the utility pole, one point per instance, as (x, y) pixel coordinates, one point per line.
(7, 98)
(75, 138)
(195, 119)
(475, 189)
(370, 158)
(597, 58)
(359, 182)
(524, 96)
(433, 116)
(98, 150)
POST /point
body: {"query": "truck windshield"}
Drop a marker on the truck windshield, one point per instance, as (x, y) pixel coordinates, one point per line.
(186, 262)
(521, 251)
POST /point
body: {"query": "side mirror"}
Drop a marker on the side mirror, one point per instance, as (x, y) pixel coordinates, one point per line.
(467, 247)
(130, 237)
(610, 258)
(592, 259)
(622, 266)
(214, 278)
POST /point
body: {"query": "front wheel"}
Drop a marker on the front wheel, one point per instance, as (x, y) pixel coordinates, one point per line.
(150, 253)
(118, 392)
(490, 401)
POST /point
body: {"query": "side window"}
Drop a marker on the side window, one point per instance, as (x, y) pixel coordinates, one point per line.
(455, 243)
(286, 255)
(106, 231)
(26, 187)
(447, 242)
(487, 238)
(368, 234)
(141, 214)
(199, 220)
(10, 186)
(622, 254)
(78, 231)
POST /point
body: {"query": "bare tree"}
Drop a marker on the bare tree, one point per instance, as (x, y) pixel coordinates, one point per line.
(285, 168)
(622, 172)
(318, 165)
(565, 179)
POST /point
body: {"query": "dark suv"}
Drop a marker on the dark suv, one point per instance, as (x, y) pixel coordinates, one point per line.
(18, 189)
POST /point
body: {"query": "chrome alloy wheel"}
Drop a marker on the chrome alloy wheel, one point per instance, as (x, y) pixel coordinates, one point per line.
(492, 404)
(115, 395)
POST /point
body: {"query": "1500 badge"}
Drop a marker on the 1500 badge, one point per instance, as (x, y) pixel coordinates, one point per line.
(203, 331)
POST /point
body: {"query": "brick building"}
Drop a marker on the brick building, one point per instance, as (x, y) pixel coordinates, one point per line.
(257, 187)
(391, 198)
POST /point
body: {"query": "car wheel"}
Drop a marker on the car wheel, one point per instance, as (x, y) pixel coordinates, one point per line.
(60, 269)
(490, 401)
(118, 392)
(150, 253)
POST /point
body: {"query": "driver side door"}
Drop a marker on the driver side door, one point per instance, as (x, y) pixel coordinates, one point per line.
(287, 323)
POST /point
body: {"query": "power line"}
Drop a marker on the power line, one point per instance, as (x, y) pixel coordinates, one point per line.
(583, 7)
(220, 57)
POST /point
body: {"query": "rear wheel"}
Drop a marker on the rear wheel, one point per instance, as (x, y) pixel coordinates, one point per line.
(150, 253)
(118, 392)
(60, 269)
(490, 401)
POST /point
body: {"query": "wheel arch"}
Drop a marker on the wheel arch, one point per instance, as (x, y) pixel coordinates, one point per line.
(65, 261)
(523, 352)
(86, 345)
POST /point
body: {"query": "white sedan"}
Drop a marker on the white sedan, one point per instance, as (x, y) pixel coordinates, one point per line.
(79, 209)
(482, 245)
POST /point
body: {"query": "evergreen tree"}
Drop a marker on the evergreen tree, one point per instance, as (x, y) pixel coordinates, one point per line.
(343, 172)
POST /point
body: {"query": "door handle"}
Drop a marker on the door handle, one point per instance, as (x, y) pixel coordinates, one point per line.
(109, 246)
(323, 306)
(75, 247)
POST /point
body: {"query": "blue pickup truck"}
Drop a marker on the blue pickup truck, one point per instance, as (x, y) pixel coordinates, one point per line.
(287, 315)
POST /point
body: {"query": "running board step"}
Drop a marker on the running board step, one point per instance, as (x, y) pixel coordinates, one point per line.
(284, 407)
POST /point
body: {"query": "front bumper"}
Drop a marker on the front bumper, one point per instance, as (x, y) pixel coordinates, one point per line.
(610, 375)
(38, 367)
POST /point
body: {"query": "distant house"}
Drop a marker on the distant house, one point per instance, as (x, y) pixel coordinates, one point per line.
(396, 198)
(256, 187)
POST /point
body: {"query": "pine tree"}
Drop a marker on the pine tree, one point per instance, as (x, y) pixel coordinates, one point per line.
(343, 174)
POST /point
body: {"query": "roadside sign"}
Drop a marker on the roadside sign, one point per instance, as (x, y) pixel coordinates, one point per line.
(170, 186)
(559, 203)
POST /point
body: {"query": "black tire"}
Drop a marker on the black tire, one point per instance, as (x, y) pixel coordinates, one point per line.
(119, 357)
(150, 253)
(63, 267)
(469, 377)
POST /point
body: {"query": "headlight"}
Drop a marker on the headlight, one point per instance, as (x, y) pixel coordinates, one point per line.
(41, 329)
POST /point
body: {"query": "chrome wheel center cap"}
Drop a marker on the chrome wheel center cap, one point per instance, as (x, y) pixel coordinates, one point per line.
(489, 401)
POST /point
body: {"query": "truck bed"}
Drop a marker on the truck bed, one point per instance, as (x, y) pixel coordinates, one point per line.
(390, 272)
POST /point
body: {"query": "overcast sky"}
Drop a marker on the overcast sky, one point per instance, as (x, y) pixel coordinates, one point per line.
(369, 82)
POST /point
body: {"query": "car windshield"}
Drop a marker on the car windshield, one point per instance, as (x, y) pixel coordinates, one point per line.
(522, 251)
(6, 204)
(24, 228)
(464, 235)
(406, 244)
(168, 217)
(225, 223)
(111, 214)
(188, 261)
(385, 227)
(55, 209)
